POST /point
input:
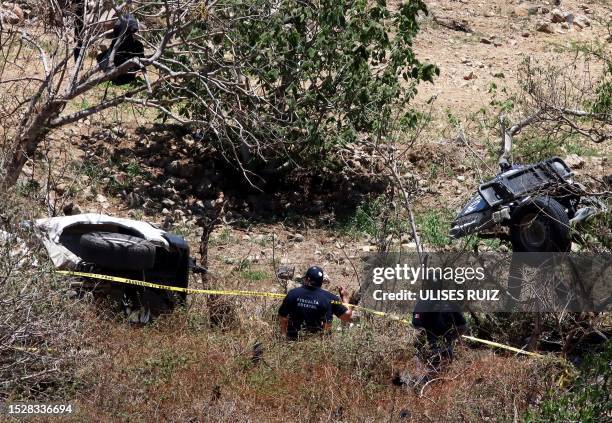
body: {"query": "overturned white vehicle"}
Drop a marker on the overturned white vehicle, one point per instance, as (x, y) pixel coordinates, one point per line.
(107, 245)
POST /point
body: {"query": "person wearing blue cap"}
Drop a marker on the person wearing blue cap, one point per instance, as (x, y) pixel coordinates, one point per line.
(310, 309)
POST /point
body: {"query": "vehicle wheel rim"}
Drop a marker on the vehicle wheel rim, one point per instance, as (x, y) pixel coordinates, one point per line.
(533, 230)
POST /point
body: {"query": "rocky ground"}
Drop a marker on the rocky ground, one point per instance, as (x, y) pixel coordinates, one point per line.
(121, 164)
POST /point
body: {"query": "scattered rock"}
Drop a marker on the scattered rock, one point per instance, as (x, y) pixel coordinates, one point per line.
(71, 209)
(121, 178)
(101, 199)
(11, 13)
(525, 34)
(61, 188)
(168, 202)
(297, 237)
(533, 10)
(574, 161)
(582, 21)
(469, 76)
(557, 16)
(72, 294)
(285, 272)
(485, 41)
(461, 178)
(520, 11)
(8, 17)
(133, 200)
(545, 27)
(453, 24)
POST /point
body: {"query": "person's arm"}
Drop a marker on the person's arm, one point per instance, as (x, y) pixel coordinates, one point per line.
(283, 315)
(347, 316)
(284, 322)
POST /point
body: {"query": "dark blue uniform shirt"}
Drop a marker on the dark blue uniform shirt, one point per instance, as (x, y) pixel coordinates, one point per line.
(439, 319)
(308, 308)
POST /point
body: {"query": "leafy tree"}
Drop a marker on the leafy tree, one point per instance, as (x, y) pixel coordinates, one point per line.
(286, 83)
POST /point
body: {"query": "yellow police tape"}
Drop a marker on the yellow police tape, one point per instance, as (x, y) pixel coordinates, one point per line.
(210, 291)
(507, 347)
(269, 295)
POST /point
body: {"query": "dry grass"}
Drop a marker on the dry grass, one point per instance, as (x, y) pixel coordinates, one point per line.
(180, 369)
(40, 329)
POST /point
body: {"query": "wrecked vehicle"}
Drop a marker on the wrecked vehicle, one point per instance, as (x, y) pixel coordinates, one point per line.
(538, 204)
(107, 245)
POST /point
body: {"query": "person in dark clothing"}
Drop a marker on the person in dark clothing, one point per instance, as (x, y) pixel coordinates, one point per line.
(310, 308)
(442, 324)
(79, 18)
(83, 11)
(127, 47)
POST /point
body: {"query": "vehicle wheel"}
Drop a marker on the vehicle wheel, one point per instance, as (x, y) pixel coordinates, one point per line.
(540, 225)
(117, 251)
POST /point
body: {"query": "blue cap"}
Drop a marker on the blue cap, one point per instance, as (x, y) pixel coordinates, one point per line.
(315, 275)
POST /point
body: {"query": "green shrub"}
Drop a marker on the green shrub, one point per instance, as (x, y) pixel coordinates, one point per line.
(434, 226)
(588, 399)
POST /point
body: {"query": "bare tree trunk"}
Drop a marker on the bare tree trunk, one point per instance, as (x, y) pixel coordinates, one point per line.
(30, 135)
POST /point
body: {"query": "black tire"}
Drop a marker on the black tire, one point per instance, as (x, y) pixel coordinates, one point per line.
(117, 251)
(540, 225)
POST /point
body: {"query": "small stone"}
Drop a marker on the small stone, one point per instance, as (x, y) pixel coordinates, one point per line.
(461, 178)
(168, 202)
(61, 188)
(297, 237)
(557, 16)
(469, 76)
(121, 178)
(526, 34)
(574, 161)
(71, 209)
(582, 21)
(520, 11)
(133, 200)
(485, 40)
(533, 10)
(11, 13)
(285, 272)
(101, 199)
(545, 27)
